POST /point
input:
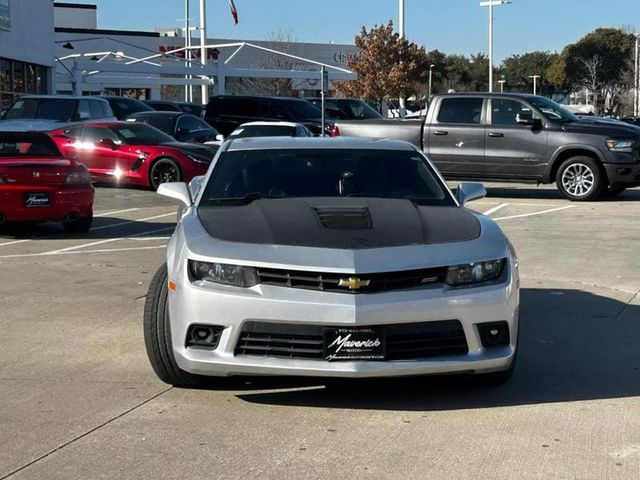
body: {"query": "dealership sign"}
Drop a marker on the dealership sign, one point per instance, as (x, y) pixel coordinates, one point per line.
(5, 15)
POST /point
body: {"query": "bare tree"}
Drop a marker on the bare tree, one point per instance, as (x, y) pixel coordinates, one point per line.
(591, 78)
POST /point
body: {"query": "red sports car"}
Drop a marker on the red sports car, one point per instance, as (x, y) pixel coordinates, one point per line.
(37, 183)
(132, 153)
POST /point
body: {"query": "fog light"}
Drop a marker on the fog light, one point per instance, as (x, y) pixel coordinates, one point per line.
(494, 334)
(204, 336)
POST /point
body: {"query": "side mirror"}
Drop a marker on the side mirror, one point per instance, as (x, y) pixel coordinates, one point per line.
(467, 192)
(195, 185)
(220, 137)
(108, 143)
(524, 118)
(177, 190)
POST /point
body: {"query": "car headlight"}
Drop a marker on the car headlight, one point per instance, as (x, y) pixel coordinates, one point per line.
(236, 275)
(625, 146)
(472, 273)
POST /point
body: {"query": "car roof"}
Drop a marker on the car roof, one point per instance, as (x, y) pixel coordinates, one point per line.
(258, 97)
(277, 124)
(157, 113)
(317, 143)
(61, 97)
(524, 96)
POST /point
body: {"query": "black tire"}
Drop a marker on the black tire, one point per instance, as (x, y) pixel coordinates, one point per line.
(157, 335)
(164, 170)
(580, 179)
(82, 225)
(614, 190)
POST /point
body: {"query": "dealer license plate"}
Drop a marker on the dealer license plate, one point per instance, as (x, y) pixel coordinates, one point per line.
(354, 344)
(35, 200)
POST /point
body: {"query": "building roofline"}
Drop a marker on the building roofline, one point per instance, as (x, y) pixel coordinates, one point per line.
(99, 31)
(84, 6)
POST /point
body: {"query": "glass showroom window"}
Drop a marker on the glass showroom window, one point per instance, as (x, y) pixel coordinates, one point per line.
(17, 78)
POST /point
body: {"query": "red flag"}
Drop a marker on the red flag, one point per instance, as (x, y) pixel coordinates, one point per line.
(234, 12)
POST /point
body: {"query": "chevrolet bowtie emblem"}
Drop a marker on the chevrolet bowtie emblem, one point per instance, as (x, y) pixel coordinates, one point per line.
(353, 283)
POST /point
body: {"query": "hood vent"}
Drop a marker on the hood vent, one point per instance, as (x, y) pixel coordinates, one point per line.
(344, 218)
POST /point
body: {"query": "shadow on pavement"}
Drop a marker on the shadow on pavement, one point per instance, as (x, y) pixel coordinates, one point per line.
(574, 346)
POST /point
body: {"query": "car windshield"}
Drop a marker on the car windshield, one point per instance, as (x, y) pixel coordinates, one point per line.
(263, 131)
(356, 109)
(241, 176)
(58, 109)
(161, 122)
(303, 109)
(133, 133)
(552, 111)
(25, 145)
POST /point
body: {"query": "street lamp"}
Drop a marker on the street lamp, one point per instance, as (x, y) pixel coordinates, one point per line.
(535, 83)
(430, 77)
(636, 80)
(502, 82)
(491, 4)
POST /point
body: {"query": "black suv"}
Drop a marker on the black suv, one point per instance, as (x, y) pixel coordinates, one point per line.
(226, 113)
(124, 106)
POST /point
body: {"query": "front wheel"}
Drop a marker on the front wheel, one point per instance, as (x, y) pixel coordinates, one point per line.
(157, 335)
(162, 171)
(580, 179)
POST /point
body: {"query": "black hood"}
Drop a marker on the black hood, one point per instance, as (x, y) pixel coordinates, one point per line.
(602, 127)
(201, 152)
(343, 223)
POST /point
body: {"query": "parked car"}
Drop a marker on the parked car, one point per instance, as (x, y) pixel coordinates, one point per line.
(37, 112)
(517, 137)
(226, 113)
(184, 127)
(166, 106)
(353, 260)
(631, 120)
(123, 106)
(37, 183)
(347, 108)
(132, 153)
(270, 129)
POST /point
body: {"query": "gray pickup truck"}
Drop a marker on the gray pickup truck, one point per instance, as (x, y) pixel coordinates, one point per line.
(518, 137)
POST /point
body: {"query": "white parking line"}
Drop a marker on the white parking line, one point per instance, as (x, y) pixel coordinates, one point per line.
(495, 209)
(105, 214)
(14, 242)
(77, 248)
(128, 222)
(536, 213)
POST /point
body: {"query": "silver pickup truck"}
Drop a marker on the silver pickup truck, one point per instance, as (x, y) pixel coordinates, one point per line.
(517, 137)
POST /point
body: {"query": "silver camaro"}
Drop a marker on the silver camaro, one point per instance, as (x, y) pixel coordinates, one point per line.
(330, 257)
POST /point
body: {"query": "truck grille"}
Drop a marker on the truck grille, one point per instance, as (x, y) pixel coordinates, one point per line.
(408, 341)
(369, 283)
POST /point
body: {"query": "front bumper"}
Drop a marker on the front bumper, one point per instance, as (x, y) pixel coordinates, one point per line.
(232, 307)
(64, 200)
(623, 174)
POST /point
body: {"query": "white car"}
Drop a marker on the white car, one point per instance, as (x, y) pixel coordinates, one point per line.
(270, 129)
(348, 258)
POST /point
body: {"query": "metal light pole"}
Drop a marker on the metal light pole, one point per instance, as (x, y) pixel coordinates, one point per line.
(636, 81)
(403, 110)
(187, 53)
(430, 77)
(502, 82)
(535, 83)
(491, 4)
(204, 89)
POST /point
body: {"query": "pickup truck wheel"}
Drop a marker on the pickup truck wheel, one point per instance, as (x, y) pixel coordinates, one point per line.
(580, 179)
(157, 335)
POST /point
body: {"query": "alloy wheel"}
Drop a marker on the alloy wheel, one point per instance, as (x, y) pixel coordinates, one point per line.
(578, 179)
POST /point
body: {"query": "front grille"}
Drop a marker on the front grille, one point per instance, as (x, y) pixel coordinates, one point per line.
(331, 282)
(344, 218)
(408, 341)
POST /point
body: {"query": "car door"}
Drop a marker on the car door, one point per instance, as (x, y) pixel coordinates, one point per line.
(456, 137)
(513, 150)
(104, 154)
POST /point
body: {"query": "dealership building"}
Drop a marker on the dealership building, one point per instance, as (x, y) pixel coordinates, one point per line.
(66, 52)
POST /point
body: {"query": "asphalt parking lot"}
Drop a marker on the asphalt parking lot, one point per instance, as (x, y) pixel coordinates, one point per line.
(78, 399)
